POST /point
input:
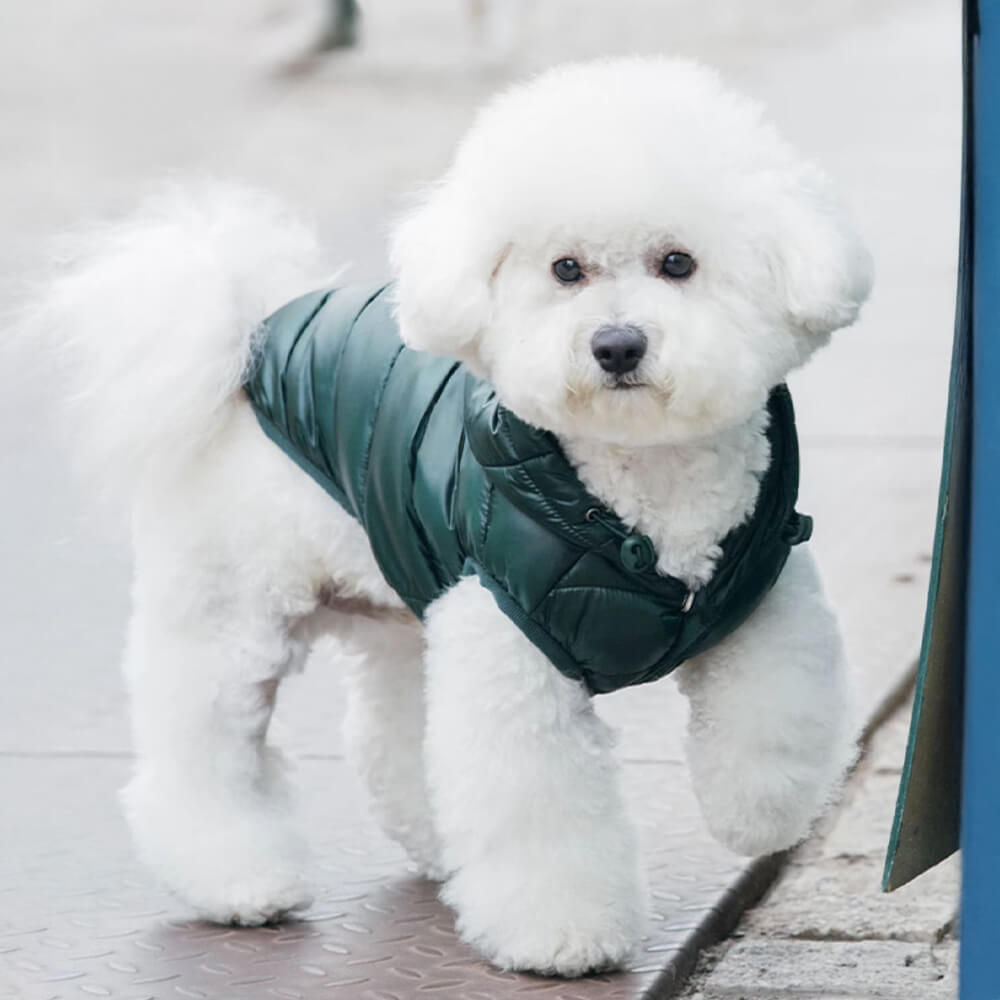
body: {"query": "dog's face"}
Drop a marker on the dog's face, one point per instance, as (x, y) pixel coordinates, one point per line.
(629, 253)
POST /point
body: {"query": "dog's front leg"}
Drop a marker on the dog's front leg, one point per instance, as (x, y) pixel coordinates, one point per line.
(770, 734)
(542, 856)
(208, 804)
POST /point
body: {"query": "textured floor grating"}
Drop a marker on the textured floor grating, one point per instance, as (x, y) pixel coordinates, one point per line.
(78, 917)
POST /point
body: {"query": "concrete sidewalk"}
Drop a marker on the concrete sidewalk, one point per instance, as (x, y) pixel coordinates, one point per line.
(825, 930)
(97, 99)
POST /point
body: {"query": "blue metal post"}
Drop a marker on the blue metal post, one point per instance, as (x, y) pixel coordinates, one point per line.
(980, 915)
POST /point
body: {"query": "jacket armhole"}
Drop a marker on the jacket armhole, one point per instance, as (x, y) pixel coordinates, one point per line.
(539, 638)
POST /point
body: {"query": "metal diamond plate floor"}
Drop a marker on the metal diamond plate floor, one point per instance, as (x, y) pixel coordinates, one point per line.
(79, 918)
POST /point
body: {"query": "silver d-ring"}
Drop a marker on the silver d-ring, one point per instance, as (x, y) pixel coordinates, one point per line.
(688, 602)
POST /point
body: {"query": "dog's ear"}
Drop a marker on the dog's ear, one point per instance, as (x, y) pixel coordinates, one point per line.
(443, 262)
(822, 270)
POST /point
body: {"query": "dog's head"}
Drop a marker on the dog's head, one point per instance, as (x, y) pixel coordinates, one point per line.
(629, 252)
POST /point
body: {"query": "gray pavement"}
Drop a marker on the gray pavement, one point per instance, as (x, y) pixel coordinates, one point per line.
(825, 930)
(98, 99)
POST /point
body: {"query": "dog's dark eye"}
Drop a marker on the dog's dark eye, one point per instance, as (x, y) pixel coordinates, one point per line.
(677, 265)
(567, 270)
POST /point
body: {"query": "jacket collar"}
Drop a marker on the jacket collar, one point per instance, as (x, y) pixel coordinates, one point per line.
(528, 466)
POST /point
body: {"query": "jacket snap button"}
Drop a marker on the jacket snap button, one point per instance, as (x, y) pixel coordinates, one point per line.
(637, 553)
(798, 529)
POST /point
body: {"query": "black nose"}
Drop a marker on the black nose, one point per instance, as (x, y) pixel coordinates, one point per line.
(618, 349)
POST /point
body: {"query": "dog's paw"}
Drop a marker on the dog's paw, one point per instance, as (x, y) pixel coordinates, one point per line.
(251, 900)
(762, 814)
(550, 951)
(430, 868)
(234, 861)
(759, 795)
(423, 848)
(556, 929)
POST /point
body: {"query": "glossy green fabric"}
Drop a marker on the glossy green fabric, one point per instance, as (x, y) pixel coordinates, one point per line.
(447, 483)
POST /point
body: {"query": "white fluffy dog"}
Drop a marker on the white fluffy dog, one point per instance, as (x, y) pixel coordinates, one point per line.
(682, 215)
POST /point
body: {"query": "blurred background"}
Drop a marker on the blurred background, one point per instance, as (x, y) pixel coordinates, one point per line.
(101, 99)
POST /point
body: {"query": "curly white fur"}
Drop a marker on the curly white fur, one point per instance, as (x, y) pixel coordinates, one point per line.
(489, 766)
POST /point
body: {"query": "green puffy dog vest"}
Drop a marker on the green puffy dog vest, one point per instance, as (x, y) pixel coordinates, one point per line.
(448, 483)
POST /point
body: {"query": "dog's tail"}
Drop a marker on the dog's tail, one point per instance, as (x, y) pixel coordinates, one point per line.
(153, 318)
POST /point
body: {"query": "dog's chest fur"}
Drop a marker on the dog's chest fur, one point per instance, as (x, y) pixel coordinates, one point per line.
(686, 498)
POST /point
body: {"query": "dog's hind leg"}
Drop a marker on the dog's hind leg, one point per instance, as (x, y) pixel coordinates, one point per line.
(384, 730)
(541, 854)
(209, 804)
